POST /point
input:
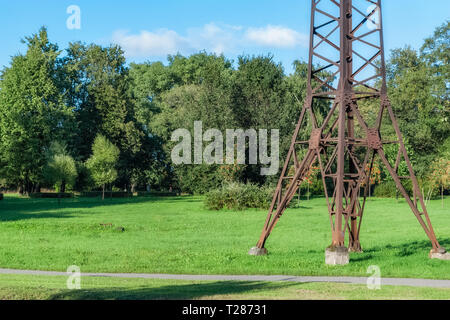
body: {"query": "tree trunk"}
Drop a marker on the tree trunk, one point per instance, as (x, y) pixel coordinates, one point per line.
(63, 186)
(29, 187)
(442, 196)
(103, 194)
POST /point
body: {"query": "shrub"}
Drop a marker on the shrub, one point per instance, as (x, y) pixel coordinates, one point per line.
(60, 169)
(199, 179)
(429, 189)
(388, 189)
(51, 195)
(237, 196)
(84, 180)
(96, 194)
(102, 163)
(157, 194)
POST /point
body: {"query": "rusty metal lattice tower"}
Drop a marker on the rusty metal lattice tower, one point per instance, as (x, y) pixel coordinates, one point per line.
(347, 68)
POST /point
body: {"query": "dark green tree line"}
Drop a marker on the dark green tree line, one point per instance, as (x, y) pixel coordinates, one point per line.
(86, 91)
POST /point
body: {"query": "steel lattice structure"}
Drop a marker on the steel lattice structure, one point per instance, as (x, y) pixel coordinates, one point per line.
(347, 68)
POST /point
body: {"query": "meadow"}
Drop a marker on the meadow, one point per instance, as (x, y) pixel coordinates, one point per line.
(178, 235)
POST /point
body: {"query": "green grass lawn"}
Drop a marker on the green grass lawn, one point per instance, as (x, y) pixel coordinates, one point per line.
(178, 235)
(28, 287)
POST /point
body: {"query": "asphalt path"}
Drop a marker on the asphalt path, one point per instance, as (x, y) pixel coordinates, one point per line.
(273, 278)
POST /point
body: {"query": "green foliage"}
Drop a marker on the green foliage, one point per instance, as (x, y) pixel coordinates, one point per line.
(32, 111)
(439, 177)
(388, 189)
(103, 161)
(197, 179)
(51, 195)
(201, 91)
(157, 194)
(60, 167)
(84, 180)
(98, 83)
(92, 90)
(111, 194)
(237, 196)
(418, 88)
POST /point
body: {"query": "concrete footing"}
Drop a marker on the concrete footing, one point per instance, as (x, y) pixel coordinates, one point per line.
(337, 256)
(443, 255)
(255, 251)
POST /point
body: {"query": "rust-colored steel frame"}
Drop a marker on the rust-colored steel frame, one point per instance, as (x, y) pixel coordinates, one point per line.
(333, 144)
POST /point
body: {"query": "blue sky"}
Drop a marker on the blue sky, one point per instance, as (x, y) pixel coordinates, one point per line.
(149, 30)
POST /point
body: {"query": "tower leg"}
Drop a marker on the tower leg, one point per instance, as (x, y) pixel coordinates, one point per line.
(437, 252)
(353, 244)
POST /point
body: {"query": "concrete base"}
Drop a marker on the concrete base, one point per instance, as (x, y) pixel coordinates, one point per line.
(439, 255)
(255, 251)
(337, 256)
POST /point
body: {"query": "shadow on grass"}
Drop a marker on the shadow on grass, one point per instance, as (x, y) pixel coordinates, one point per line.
(171, 292)
(405, 249)
(17, 208)
(411, 248)
(360, 258)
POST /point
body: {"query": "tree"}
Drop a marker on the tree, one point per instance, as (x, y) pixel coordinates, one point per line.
(61, 167)
(32, 111)
(418, 84)
(375, 176)
(440, 175)
(98, 86)
(198, 89)
(102, 162)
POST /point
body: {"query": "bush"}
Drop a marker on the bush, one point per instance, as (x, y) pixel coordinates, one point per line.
(388, 189)
(60, 169)
(199, 179)
(84, 180)
(157, 194)
(96, 194)
(236, 196)
(51, 195)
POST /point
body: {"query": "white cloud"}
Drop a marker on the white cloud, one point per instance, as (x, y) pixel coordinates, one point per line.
(212, 37)
(146, 43)
(276, 36)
